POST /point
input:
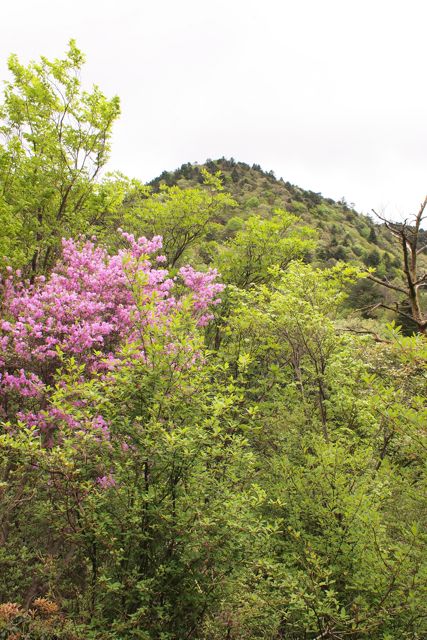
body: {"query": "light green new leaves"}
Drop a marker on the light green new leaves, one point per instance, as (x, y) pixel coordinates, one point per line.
(263, 245)
(183, 217)
(54, 140)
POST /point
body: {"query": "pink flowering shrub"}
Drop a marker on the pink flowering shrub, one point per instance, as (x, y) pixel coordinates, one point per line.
(91, 306)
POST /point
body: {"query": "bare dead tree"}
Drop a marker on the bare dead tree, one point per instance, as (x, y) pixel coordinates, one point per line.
(409, 238)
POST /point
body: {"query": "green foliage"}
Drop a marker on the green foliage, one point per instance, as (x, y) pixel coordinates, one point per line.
(233, 225)
(372, 259)
(262, 245)
(343, 233)
(252, 203)
(183, 217)
(274, 488)
(54, 140)
(335, 441)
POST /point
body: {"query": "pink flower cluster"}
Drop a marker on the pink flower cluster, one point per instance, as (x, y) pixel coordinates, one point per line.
(90, 306)
(106, 482)
(25, 384)
(204, 288)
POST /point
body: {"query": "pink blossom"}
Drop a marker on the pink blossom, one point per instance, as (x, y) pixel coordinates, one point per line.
(89, 308)
(98, 423)
(105, 482)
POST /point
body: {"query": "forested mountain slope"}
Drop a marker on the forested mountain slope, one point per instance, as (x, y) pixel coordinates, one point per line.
(343, 233)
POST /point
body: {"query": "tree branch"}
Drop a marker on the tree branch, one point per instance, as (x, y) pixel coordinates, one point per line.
(387, 284)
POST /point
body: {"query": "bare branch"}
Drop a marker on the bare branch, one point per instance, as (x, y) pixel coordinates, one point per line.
(386, 283)
(396, 228)
(420, 214)
(366, 332)
(421, 280)
(397, 309)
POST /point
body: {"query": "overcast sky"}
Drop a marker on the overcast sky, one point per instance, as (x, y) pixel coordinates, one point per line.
(329, 94)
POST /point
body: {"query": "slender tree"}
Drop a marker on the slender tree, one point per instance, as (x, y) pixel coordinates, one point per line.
(54, 141)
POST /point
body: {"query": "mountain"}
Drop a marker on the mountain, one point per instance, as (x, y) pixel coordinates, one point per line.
(343, 233)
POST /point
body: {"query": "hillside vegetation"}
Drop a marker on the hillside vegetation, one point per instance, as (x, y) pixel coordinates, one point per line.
(209, 427)
(343, 234)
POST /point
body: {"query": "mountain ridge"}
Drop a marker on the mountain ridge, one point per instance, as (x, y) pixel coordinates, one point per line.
(343, 233)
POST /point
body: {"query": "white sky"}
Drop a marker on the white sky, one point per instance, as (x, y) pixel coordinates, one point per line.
(329, 94)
